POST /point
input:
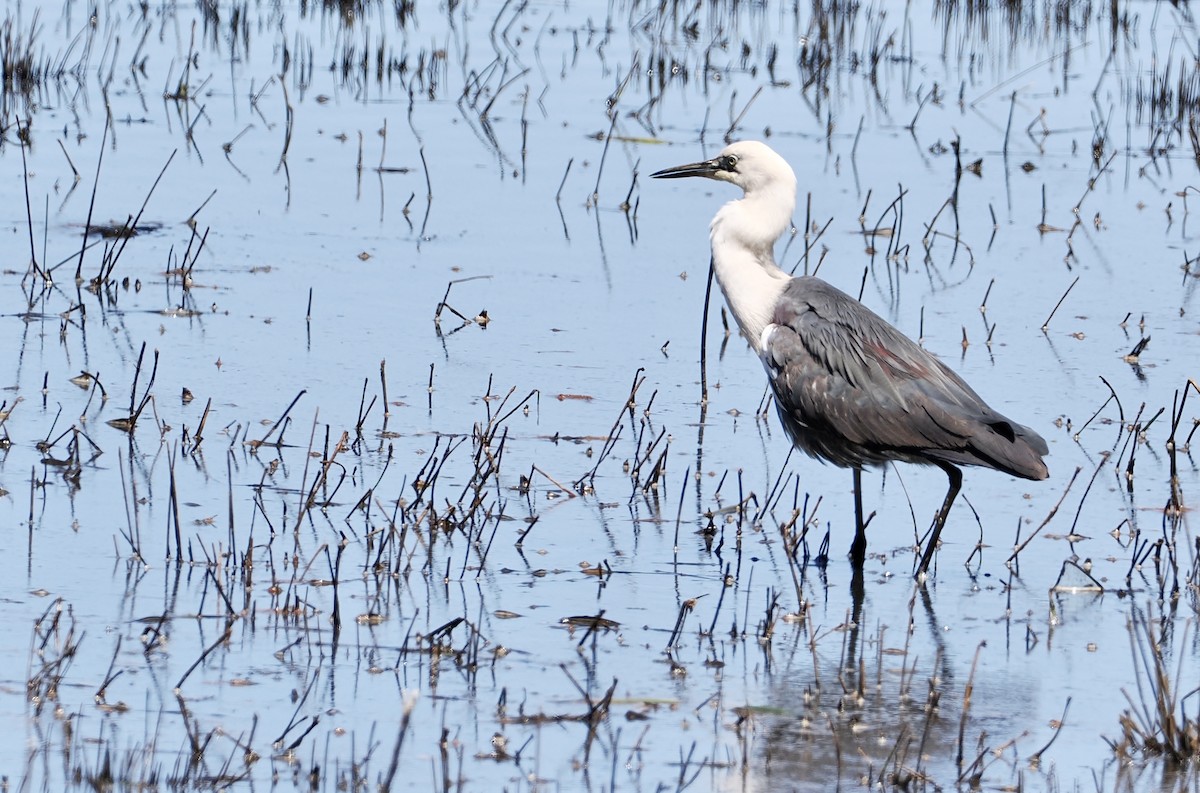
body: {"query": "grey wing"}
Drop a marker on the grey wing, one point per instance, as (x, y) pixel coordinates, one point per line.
(854, 390)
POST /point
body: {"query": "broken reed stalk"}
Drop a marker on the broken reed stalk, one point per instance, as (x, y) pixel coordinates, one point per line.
(1175, 502)
(322, 478)
(363, 414)
(52, 650)
(211, 568)
(63, 149)
(626, 205)
(809, 245)
(222, 639)
(614, 433)
(129, 423)
(92, 204)
(186, 267)
(1036, 757)
(173, 512)
(334, 569)
(1016, 551)
(33, 262)
(685, 608)
(383, 387)
(198, 438)
(1112, 397)
(247, 560)
(595, 197)
(983, 305)
(130, 226)
(1046, 324)
(442, 304)
(289, 121)
(569, 491)
(133, 537)
(191, 219)
(146, 397)
(110, 675)
(561, 184)
(430, 389)
(967, 692)
(278, 425)
(1091, 185)
(733, 125)
(1087, 490)
(410, 701)
(428, 181)
(137, 371)
(775, 493)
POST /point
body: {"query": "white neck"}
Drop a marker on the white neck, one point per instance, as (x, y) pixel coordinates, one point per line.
(743, 236)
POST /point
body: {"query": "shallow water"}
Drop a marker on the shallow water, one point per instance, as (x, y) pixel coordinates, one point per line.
(196, 640)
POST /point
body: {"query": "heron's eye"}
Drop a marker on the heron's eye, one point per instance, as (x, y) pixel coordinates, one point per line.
(729, 162)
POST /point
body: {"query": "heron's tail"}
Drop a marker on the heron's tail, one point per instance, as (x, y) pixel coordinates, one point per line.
(1010, 447)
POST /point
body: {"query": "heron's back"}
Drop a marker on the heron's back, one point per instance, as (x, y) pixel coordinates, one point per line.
(853, 390)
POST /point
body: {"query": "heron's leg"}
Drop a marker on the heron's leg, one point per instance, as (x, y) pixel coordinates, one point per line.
(955, 477)
(858, 549)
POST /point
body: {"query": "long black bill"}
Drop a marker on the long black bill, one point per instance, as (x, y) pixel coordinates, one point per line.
(706, 168)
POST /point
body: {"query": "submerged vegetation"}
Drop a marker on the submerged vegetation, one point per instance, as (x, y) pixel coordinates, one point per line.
(357, 435)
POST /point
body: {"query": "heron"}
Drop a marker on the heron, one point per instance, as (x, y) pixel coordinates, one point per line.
(850, 388)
